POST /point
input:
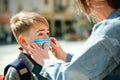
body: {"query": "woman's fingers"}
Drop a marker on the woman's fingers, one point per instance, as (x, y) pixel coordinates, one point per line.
(54, 41)
(38, 54)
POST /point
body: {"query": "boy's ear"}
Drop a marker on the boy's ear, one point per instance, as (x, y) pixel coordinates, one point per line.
(22, 40)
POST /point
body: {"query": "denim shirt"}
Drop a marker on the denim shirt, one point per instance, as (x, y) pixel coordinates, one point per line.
(100, 55)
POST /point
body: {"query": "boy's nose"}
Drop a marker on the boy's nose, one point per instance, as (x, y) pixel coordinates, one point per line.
(45, 36)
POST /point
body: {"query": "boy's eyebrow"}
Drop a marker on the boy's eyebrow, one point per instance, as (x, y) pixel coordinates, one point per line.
(42, 30)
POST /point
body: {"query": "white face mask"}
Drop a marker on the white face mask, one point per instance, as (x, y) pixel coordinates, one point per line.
(41, 41)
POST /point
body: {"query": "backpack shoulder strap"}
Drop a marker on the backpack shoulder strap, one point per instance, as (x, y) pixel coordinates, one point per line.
(21, 68)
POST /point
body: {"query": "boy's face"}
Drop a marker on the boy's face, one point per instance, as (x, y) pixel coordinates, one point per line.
(37, 31)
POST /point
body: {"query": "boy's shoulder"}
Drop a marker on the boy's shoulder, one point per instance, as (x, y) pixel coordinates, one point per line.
(19, 68)
(11, 74)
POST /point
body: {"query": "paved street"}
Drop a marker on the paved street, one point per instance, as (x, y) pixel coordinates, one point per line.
(9, 52)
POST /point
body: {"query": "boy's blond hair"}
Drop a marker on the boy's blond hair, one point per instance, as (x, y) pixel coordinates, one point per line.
(22, 22)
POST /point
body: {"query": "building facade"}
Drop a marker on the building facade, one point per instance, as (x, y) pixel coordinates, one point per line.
(59, 13)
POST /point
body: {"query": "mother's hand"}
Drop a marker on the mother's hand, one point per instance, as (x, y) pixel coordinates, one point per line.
(57, 50)
(37, 53)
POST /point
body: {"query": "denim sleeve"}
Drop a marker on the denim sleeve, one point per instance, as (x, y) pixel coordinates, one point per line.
(69, 57)
(97, 60)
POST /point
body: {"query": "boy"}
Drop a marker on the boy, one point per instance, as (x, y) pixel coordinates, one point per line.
(28, 27)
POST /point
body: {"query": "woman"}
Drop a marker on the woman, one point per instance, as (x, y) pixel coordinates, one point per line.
(100, 55)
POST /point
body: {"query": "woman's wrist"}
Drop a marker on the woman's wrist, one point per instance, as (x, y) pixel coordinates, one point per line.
(64, 57)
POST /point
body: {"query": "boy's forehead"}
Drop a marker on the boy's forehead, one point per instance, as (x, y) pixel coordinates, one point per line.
(40, 24)
(38, 27)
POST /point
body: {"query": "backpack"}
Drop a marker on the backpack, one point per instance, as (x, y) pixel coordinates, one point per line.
(21, 68)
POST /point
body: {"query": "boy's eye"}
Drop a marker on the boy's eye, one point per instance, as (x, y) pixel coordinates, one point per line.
(47, 33)
(40, 34)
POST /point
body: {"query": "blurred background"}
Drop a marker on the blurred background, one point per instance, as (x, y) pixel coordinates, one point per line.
(66, 22)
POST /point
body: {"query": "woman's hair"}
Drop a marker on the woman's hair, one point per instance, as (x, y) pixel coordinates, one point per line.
(84, 7)
(114, 3)
(22, 22)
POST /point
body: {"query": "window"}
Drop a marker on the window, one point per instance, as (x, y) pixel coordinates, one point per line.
(6, 4)
(58, 28)
(46, 2)
(57, 4)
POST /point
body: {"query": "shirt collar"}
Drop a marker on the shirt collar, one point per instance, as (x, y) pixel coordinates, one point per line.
(26, 60)
(114, 14)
